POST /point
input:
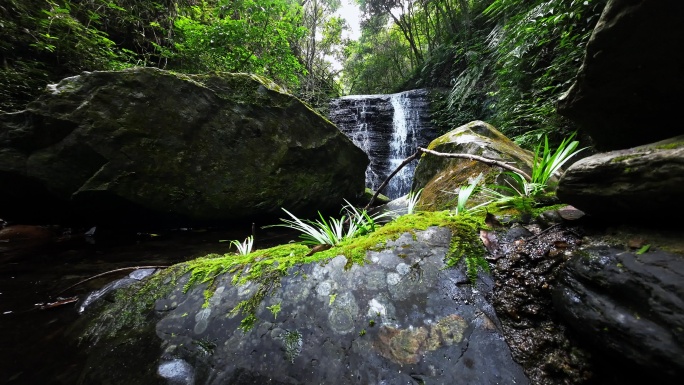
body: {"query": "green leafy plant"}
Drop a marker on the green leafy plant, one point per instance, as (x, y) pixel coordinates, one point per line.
(464, 193)
(547, 164)
(275, 309)
(364, 222)
(520, 186)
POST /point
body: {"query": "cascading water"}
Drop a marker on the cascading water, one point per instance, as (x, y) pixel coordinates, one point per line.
(388, 128)
(403, 143)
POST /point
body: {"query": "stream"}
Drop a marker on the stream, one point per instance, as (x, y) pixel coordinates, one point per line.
(33, 349)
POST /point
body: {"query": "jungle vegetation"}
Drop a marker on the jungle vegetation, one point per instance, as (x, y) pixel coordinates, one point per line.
(504, 61)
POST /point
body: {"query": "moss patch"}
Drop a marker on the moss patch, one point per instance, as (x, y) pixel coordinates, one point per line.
(133, 306)
(265, 268)
(670, 146)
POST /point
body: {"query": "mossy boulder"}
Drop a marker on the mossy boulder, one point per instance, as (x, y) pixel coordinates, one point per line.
(440, 178)
(365, 312)
(116, 145)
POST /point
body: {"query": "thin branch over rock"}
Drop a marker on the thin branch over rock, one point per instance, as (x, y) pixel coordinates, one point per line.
(421, 150)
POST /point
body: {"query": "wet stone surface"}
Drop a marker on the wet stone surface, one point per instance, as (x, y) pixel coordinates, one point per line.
(401, 318)
(628, 305)
(525, 261)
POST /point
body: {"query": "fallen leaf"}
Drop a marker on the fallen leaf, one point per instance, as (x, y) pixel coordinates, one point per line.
(636, 243)
(560, 244)
(488, 240)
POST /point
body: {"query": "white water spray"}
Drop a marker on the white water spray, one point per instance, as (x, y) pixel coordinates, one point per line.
(403, 143)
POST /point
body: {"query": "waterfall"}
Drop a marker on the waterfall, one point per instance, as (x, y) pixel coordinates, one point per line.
(388, 128)
(403, 143)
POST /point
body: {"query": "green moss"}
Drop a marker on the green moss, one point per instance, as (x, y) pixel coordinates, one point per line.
(621, 158)
(265, 268)
(293, 344)
(132, 306)
(671, 146)
(517, 206)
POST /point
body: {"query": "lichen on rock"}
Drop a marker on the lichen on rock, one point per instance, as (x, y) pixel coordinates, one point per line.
(440, 178)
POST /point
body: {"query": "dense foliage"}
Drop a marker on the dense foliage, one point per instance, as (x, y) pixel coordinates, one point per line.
(290, 41)
(504, 61)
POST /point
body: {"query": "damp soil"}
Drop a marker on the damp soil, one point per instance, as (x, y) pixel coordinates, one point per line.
(524, 265)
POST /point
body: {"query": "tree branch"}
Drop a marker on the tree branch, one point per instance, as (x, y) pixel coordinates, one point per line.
(478, 158)
(110, 272)
(421, 150)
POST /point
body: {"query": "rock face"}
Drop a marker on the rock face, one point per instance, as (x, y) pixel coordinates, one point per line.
(628, 185)
(400, 318)
(440, 178)
(203, 147)
(630, 81)
(628, 305)
(388, 128)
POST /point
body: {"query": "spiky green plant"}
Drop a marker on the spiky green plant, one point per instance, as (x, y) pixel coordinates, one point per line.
(332, 231)
(464, 193)
(547, 163)
(412, 201)
(245, 247)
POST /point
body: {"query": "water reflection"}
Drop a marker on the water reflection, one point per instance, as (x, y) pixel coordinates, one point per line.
(36, 271)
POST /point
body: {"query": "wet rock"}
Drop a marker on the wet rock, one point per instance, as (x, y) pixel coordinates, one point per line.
(133, 277)
(145, 144)
(628, 305)
(526, 262)
(369, 120)
(400, 318)
(630, 82)
(440, 178)
(628, 185)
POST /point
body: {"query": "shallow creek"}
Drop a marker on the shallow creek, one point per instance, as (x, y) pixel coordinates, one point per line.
(33, 349)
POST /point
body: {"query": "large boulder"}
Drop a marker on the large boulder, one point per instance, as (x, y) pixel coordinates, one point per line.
(440, 178)
(403, 317)
(203, 147)
(630, 81)
(631, 185)
(629, 305)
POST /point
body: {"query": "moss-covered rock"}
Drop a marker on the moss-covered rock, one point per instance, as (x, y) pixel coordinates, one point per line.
(387, 305)
(202, 147)
(440, 178)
